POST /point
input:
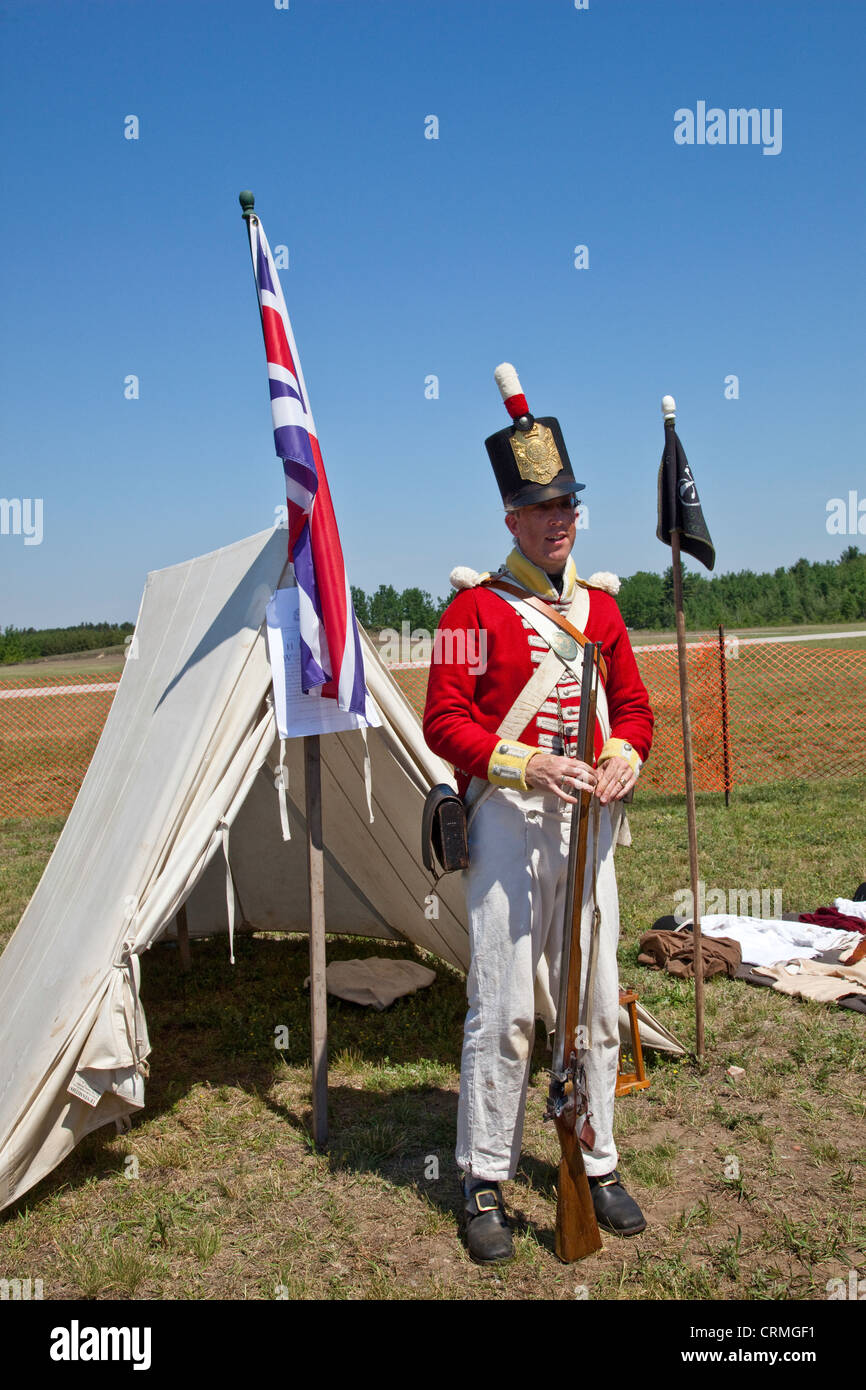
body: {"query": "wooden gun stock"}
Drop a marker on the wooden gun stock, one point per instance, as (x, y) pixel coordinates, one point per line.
(577, 1233)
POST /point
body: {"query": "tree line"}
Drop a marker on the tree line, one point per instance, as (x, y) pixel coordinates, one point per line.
(831, 591)
(29, 643)
(388, 608)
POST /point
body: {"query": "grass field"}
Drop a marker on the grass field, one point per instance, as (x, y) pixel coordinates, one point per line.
(751, 1185)
(77, 663)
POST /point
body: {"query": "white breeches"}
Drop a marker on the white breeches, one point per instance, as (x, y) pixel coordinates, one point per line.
(515, 893)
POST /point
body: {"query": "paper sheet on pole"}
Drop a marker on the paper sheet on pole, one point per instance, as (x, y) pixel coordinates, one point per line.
(298, 714)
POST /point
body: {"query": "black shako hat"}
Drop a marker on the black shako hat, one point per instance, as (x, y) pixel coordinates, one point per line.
(529, 458)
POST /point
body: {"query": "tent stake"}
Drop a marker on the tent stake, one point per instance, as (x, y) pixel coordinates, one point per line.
(318, 991)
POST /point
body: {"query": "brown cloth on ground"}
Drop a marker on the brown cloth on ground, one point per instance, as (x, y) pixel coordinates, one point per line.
(674, 951)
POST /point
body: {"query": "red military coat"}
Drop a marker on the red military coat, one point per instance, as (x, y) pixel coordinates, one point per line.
(466, 704)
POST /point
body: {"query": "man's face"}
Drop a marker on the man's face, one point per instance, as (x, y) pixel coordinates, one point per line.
(545, 531)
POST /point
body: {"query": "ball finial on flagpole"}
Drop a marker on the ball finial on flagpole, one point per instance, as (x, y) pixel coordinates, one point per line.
(247, 201)
(669, 407)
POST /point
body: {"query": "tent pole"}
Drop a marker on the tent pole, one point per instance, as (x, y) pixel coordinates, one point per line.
(183, 938)
(318, 991)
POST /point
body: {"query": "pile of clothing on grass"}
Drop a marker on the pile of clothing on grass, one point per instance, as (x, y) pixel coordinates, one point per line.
(814, 955)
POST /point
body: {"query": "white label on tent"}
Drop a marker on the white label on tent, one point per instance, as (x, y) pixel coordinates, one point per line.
(80, 1088)
(298, 714)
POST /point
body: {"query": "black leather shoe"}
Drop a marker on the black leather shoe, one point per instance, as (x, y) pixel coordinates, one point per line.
(615, 1210)
(488, 1234)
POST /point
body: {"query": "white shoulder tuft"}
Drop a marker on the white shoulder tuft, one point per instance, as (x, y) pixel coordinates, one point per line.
(462, 577)
(603, 579)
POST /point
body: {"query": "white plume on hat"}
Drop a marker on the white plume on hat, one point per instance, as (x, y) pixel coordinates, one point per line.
(507, 380)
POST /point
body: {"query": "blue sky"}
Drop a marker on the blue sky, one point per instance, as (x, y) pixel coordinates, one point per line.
(412, 257)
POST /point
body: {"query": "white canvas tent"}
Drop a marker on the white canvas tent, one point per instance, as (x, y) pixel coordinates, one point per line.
(184, 783)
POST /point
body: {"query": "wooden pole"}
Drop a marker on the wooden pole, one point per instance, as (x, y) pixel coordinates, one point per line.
(182, 929)
(318, 990)
(669, 410)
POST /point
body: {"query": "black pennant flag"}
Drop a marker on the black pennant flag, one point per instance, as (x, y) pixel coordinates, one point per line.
(679, 504)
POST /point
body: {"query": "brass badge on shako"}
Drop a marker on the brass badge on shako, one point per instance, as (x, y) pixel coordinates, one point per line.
(535, 454)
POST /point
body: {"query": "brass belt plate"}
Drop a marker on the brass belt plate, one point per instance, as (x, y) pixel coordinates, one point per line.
(564, 646)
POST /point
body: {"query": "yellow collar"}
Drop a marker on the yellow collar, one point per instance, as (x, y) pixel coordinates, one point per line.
(535, 579)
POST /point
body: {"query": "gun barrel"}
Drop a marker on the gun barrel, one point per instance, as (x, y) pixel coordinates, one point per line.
(577, 833)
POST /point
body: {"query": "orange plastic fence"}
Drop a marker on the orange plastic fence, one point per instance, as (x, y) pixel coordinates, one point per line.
(761, 712)
(49, 727)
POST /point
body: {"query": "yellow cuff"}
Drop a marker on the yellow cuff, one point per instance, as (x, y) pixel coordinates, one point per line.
(618, 748)
(507, 766)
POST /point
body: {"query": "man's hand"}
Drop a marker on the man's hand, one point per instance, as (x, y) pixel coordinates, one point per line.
(615, 780)
(548, 772)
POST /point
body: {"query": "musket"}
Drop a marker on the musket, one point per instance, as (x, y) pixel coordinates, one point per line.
(577, 1233)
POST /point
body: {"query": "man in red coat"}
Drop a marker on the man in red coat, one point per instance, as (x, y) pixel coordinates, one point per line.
(502, 707)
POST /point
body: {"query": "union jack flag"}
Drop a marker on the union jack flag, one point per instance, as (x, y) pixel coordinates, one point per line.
(330, 646)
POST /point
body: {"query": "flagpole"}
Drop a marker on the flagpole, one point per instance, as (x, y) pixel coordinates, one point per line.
(247, 201)
(669, 413)
(318, 961)
(315, 871)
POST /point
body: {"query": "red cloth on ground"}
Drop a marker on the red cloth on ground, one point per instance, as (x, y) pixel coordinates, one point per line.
(829, 917)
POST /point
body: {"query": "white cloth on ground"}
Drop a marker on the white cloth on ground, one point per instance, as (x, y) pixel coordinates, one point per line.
(766, 940)
(850, 908)
(376, 981)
